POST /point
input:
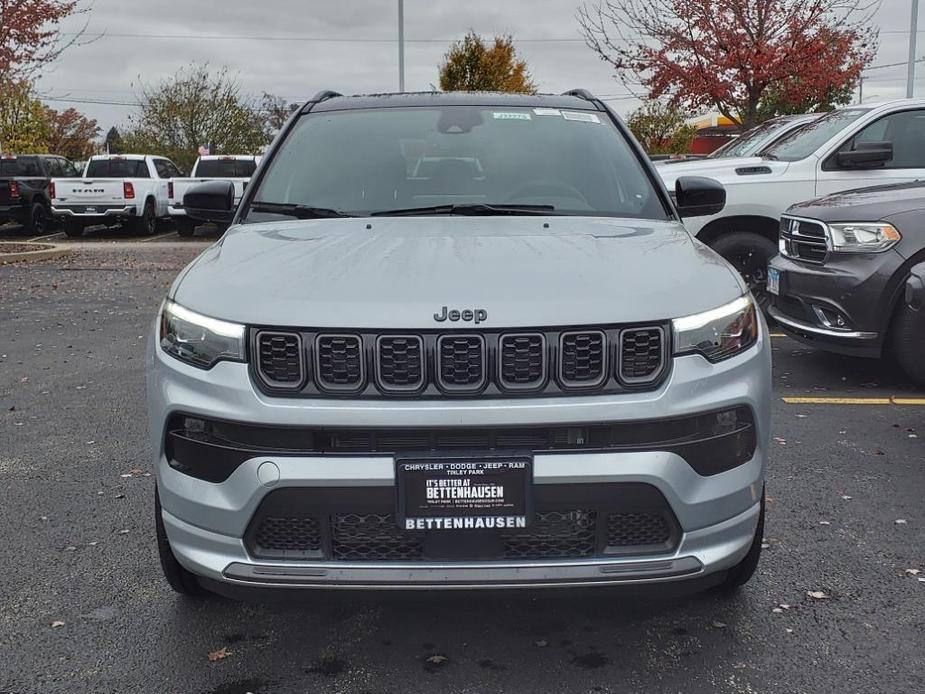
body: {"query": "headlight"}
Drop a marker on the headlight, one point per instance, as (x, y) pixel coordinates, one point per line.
(720, 333)
(875, 237)
(199, 340)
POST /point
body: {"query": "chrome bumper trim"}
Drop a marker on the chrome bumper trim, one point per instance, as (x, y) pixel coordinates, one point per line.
(802, 326)
(461, 576)
(128, 211)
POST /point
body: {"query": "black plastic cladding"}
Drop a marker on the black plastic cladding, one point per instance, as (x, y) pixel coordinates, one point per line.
(436, 386)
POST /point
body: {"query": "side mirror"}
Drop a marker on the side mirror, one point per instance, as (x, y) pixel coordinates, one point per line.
(212, 201)
(915, 288)
(867, 155)
(697, 196)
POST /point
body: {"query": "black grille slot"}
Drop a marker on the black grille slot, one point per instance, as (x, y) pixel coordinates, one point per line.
(372, 537)
(554, 535)
(340, 363)
(582, 359)
(522, 361)
(461, 362)
(803, 240)
(637, 529)
(642, 355)
(288, 537)
(280, 361)
(400, 362)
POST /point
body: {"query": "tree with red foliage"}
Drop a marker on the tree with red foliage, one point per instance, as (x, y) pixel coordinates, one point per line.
(729, 54)
(70, 133)
(29, 35)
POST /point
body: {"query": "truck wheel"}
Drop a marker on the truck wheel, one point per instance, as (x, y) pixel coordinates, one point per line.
(180, 579)
(749, 253)
(908, 335)
(73, 229)
(740, 574)
(185, 226)
(146, 224)
(39, 220)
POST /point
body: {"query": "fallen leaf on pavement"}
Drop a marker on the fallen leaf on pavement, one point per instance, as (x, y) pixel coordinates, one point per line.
(900, 521)
(846, 497)
(817, 594)
(437, 659)
(56, 624)
(220, 654)
(719, 625)
(913, 572)
(124, 531)
(542, 643)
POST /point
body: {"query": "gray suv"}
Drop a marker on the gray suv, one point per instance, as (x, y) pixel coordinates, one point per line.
(511, 367)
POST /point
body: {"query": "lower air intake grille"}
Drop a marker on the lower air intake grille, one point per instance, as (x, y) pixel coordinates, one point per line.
(340, 363)
(400, 362)
(523, 361)
(641, 355)
(286, 536)
(461, 362)
(279, 359)
(637, 529)
(372, 537)
(582, 357)
(554, 535)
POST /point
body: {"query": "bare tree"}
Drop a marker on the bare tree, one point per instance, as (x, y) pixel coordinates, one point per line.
(30, 38)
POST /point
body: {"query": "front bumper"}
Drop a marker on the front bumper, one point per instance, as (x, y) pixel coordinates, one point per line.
(206, 522)
(857, 287)
(99, 211)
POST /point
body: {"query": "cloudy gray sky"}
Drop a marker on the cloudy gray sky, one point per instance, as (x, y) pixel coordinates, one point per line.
(293, 48)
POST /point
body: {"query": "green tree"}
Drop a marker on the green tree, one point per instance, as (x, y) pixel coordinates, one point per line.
(471, 65)
(661, 128)
(775, 102)
(113, 141)
(195, 107)
(23, 122)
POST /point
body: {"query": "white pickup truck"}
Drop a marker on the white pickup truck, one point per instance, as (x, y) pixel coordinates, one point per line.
(237, 168)
(852, 147)
(129, 189)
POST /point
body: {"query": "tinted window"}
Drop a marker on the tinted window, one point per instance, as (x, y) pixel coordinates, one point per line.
(803, 142)
(20, 166)
(377, 160)
(225, 168)
(68, 169)
(52, 166)
(906, 130)
(172, 169)
(117, 168)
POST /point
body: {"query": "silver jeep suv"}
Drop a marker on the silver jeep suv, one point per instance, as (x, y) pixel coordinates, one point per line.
(511, 367)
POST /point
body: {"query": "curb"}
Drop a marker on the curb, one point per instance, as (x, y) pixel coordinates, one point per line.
(44, 251)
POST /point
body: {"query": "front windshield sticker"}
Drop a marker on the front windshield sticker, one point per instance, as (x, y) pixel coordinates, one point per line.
(547, 112)
(511, 115)
(583, 117)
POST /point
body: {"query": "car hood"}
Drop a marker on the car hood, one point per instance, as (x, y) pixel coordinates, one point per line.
(398, 272)
(864, 204)
(725, 170)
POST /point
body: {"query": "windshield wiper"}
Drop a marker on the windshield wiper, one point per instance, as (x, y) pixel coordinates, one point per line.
(297, 211)
(468, 209)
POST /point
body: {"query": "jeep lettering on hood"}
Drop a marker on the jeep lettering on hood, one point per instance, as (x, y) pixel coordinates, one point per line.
(479, 315)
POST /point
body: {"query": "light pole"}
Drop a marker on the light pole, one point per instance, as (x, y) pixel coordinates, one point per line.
(401, 44)
(913, 30)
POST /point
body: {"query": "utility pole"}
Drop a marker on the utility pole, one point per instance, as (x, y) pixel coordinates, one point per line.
(401, 44)
(913, 31)
(861, 88)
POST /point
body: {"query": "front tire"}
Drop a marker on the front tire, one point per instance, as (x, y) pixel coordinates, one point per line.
(749, 253)
(179, 578)
(146, 224)
(741, 573)
(907, 337)
(186, 227)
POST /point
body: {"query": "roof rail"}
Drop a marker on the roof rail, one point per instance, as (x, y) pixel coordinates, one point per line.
(325, 94)
(581, 94)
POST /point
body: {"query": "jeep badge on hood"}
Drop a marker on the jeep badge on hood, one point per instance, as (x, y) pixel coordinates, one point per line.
(479, 315)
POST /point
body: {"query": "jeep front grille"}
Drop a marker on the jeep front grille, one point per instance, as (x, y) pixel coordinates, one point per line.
(434, 365)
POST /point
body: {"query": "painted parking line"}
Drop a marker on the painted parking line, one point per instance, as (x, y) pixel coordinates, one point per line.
(159, 236)
(778, 335)
(49, 236)
(836, 400)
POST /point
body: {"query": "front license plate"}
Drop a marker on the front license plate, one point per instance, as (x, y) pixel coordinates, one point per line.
(774, 281)
(466, 493)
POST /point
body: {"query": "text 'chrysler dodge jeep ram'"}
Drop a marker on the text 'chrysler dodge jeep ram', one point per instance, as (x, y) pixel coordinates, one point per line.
(509, 367)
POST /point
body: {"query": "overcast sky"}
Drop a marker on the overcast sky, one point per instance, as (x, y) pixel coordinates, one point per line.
(293, 48)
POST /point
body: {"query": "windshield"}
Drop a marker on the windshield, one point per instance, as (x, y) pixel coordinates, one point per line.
(754, 140)
(806, 140)
(225, 168)
(390, 159)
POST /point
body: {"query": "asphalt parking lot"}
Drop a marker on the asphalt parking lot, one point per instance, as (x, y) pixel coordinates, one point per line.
(83, 606)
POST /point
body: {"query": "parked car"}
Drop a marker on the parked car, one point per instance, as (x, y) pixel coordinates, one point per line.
(115, 189)
(852, 147)
(237, 168)
(26, 191)
(534, 377)
(755, 141)
(839, 282)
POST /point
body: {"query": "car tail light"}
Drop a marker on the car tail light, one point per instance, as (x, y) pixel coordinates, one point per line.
(51, 190)
(128, 190)
(170, 189)
(14, 189)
